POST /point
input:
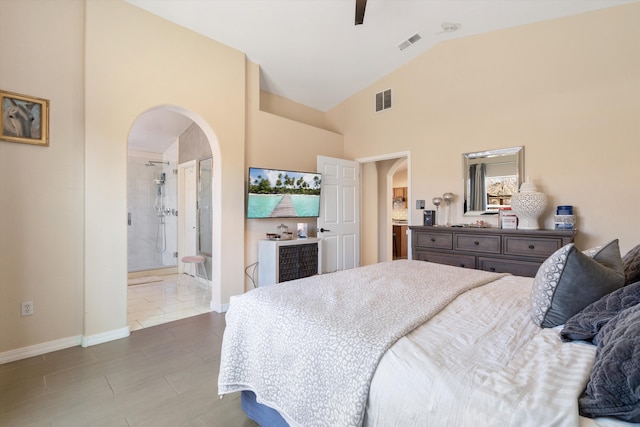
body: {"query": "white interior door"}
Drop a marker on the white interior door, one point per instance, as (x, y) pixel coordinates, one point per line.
(339, 221)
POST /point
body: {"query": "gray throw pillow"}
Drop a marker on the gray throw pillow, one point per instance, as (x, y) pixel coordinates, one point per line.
(613, 389)
(631, 264)
(586, 324)
(570, 280)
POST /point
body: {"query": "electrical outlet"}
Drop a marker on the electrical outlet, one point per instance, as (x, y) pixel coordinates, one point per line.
(27, 308)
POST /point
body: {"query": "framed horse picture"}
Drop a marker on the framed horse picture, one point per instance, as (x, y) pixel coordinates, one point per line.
(24, 119)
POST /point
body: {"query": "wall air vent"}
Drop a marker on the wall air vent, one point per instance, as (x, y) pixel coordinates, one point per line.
(408, 42)
(383, 100)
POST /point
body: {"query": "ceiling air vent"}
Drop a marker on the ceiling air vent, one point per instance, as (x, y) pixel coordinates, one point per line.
(408, 42)
(383, 100)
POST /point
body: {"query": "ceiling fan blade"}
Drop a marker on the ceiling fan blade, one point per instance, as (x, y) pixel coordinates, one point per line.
(361, 5)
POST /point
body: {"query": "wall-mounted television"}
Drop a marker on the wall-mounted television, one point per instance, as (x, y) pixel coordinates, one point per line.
(275, 193)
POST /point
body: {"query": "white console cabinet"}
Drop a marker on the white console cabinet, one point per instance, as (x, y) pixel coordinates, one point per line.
(283, 260)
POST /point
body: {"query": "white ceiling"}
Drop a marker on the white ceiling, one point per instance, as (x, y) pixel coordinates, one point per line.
(310, 51)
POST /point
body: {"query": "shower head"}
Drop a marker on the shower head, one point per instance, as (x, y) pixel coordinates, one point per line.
(155, 162)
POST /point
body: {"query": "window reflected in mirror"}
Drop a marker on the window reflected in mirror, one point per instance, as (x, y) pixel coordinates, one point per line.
(491, 178)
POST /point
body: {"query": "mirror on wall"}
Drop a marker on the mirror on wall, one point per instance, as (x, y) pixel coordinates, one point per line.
(490, 178)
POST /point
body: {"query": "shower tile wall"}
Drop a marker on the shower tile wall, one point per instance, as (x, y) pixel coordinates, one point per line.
(144, 228)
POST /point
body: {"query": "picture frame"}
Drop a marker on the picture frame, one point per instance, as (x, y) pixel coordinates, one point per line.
(24, 119)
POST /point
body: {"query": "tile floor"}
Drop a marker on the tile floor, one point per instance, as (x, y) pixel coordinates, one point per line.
(161, 376)
(164, 301)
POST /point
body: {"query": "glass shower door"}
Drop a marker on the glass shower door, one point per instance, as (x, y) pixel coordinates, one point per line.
(205, 216)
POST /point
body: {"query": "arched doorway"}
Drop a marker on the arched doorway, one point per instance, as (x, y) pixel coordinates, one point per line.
(161, 141)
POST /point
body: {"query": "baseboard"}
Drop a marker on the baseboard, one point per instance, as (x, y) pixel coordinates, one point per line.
(39, 349)
(48, 347)
(116, 334)
(219, 308)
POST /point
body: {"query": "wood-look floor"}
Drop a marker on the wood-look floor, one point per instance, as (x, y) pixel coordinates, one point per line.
(165, 375)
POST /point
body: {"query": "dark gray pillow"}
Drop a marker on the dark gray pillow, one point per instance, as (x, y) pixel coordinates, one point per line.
(613, 389)
(570, 280)
(631, 265)
(586, 324)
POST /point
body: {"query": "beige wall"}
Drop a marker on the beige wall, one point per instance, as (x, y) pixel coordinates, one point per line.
(149, 62)
(568, 90)
(385, 192)
(370, 198)
(400, 179)
(63, 240)
(41, 188)
(275, 141)
(274, 104)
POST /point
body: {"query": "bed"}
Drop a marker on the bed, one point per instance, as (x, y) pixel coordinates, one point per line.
(412, 343)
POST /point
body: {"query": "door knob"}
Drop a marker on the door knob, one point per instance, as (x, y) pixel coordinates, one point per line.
(322, 230)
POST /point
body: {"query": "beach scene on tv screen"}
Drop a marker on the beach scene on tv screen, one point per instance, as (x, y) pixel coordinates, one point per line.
(283, 194)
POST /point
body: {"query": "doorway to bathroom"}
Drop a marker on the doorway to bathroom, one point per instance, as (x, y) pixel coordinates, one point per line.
(152, 211)
(162, 204)
(152, 191)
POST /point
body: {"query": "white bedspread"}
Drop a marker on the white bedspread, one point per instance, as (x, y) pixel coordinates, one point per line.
(482, 362)
(309, 348)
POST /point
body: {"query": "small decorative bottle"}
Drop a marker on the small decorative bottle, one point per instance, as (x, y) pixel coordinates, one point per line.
(528, 205)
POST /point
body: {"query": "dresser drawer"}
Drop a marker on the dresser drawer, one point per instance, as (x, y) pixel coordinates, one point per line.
(540, 247)
(477, 243)
(434, 240)
(519, 252)
(517, 268)
(466, 261)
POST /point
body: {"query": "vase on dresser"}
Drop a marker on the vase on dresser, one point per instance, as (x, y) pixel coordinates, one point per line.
(528, 205)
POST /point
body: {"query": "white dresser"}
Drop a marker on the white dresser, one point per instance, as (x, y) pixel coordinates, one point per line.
(283, 260)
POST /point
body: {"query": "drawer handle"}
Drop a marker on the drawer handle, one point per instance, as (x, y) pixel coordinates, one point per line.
(433, 239)
(532, 247)
(476, 243)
